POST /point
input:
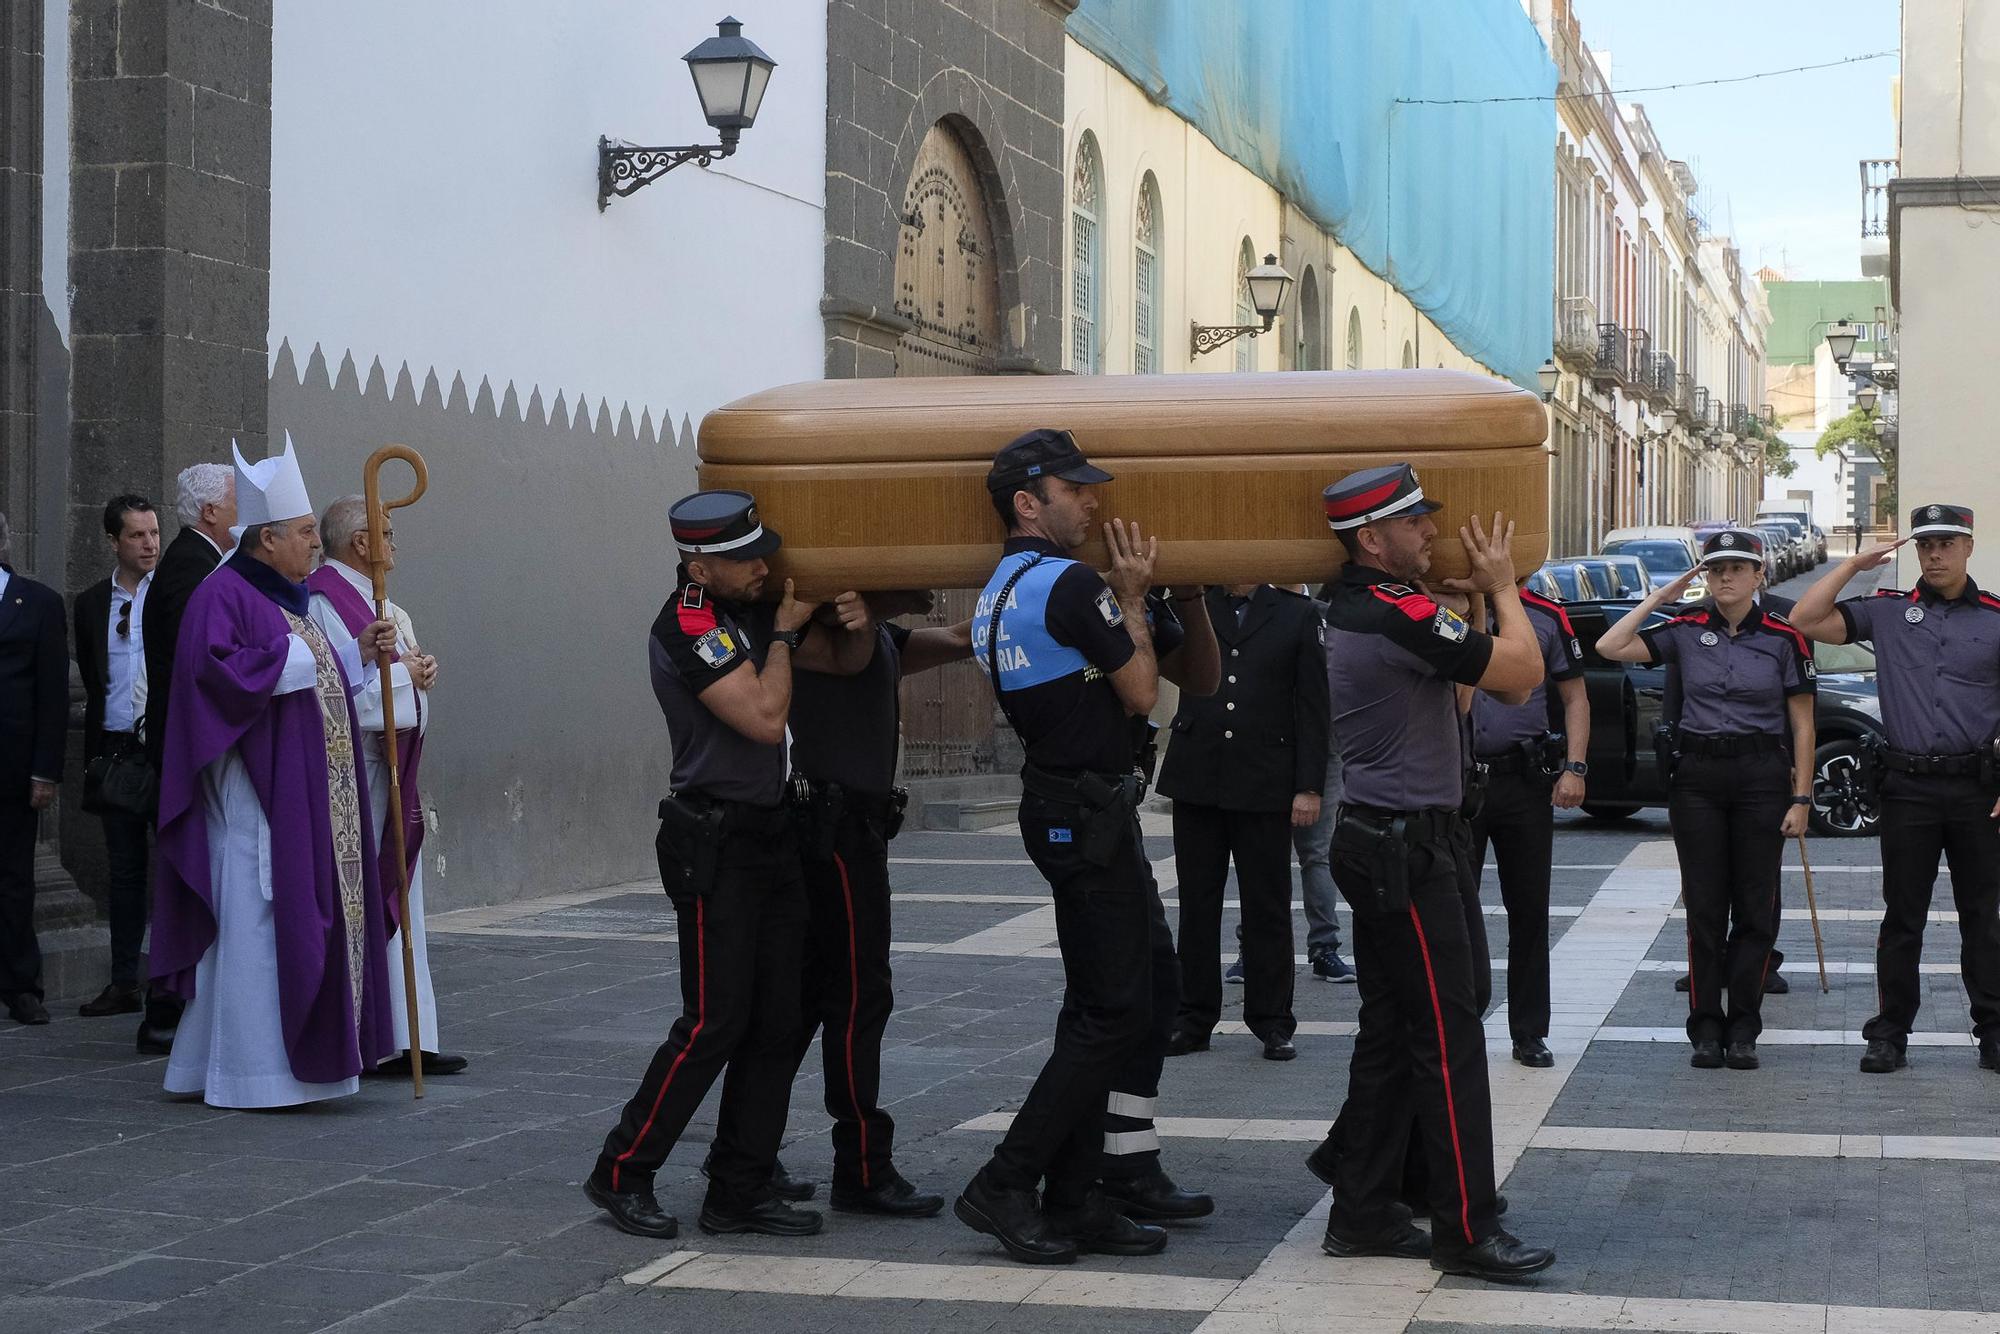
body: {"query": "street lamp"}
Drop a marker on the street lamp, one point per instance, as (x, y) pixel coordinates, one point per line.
(1267, 283)
(1840, 340)
(730, 75)
(1881, 428)
(1549, 377)
(1865, 396)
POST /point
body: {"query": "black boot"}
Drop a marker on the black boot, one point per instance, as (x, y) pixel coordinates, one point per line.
(114, 999)
(1098, 1228)
(633, 1211)
(1500, 1256)
(1401, 1240)
(1014, 1219)
(772, 1218)
(1155, 1197)
(890, 1196)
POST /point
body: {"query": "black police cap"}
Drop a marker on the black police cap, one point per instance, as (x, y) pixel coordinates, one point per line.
(1733, 544)
(721, 523)
(1041, 453)
(1940, 521)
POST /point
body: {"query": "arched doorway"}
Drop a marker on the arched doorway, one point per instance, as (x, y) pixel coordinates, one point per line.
(947, 274)
(1312, 324)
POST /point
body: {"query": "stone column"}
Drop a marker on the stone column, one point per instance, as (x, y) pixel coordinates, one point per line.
(20, 267)
(170, 230)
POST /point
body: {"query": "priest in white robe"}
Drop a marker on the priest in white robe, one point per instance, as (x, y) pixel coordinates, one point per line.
(342, 601)
(269, 917)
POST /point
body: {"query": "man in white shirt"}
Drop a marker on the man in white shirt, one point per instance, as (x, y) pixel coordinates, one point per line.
(110, 619)
(342, 605)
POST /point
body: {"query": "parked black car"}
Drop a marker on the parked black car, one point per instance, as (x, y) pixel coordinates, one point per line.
(1625, 704)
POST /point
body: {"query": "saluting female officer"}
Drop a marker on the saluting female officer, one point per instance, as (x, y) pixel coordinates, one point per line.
(1734, 797)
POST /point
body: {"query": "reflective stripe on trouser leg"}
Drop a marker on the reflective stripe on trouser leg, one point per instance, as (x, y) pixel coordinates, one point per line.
(1130, 1104)
(1130, 1107)
(1132, 1141)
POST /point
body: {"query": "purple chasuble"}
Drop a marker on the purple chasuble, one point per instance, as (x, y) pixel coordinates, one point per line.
(233, 644)
(356, 615)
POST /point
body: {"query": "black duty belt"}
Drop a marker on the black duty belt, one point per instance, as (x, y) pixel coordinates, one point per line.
(1943, 766)
(1424, 825)
(1724, 746)
(741, 818)
(877, 806)
(1080, 787)
(1515, 761)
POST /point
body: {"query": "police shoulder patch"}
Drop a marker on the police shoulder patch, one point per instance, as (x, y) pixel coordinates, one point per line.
(1108, 608)
(1812, 670)
(716, 647)
(1448, 624)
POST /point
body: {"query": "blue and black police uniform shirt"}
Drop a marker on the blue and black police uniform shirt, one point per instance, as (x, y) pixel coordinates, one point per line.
(695, 642)
(845, 728)
(1937, 666)
(1498, 728)
(1393, 658)
(1733, 685)
(1062, 635)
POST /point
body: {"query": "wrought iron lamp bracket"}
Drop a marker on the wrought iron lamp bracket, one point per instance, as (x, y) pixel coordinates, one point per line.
(1208, 337)
(624, 168)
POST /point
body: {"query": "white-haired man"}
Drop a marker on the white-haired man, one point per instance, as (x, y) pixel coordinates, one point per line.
(206, 504)
(341, 606)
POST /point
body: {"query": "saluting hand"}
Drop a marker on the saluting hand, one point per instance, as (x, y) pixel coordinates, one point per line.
(1132, 557)
(1869, 558)
(1672, 592)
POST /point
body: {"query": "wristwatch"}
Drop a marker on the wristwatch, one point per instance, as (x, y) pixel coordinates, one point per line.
(1802, 799)
(791, 639)
(1580, 768)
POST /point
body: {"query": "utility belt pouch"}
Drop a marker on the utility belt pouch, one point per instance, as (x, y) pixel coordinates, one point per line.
(1869, 769)
(690, 846)
(1145, 753)
(1550, 752)
(1113, 807)
(1666, 749)
(1382, 844)
(899, 803)
(1477, 776)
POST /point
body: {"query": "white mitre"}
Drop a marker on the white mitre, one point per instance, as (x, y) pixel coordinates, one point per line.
(269, 491)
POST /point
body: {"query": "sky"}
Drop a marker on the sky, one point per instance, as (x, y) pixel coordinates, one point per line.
(1777, 158)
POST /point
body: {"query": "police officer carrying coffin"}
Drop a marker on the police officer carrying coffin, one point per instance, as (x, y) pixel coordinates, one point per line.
(1075, 660)
(1534, 757)
(845, 731)
(1937, 661)
(722, 668)
(1734, 797)
(1400, 851)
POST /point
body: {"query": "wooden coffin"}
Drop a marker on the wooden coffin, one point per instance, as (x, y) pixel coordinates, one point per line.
(878, 484)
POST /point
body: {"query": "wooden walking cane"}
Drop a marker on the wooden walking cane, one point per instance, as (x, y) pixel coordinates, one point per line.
(378, 555)
(1813, 907)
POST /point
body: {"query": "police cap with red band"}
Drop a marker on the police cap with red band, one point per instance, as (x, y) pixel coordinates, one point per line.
(1043, 453)
(721, 523)
(1733, 544)
(1940, 521)
(1374, 494)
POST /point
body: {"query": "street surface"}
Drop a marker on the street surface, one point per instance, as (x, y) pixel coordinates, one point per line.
(1802, 1196)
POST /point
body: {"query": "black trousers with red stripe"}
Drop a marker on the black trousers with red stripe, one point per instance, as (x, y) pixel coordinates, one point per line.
(848, 995)
(1420, 1049)
(1727, 815)
(742, 948)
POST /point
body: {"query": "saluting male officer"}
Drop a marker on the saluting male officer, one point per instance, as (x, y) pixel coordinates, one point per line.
(1244, 768)
(1534, 754)
(1075, 660)
(845, 731)
(1937, 664)
(722, 670)
(1401, 853)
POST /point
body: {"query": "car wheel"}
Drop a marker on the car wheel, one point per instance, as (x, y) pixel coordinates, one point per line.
(1842, 806)
(1607, 810)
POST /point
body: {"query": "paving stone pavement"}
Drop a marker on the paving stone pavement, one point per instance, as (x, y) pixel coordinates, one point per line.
(121, 1209)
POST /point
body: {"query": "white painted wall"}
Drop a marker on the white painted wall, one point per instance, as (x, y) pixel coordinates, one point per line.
(434, 198)
(1827, 479)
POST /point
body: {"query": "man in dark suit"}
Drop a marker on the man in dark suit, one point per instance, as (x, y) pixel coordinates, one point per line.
(110, 620)
(34, 714)
(207, 507)
(1244, 766)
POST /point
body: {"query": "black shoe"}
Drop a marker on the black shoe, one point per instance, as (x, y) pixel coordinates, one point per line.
(26, 1009)
(891, 1197)
(633, 1211)
(1533, 1053)
(1681, 983)
(1098, 1228)
(1741, 1056)
(1401, 1240)
(772, 1218)
(1775, 984)
(1707, 1054)
(1279, 1049)
(1013, 1219)
(114, 999)
(1155, 1198)
(783, 1184)
(155, 1041)
(398, 1066)
(1883, 1056)
(1182, 1042)
(1322, 1162)
(1500, 1256)
(1989, 1053)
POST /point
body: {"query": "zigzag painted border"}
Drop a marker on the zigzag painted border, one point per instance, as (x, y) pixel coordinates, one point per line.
(347, 379)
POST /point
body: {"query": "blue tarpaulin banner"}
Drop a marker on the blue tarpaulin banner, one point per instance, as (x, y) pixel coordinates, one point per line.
(1418, 133)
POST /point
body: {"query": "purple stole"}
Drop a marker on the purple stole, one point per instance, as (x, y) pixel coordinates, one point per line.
(356, 615)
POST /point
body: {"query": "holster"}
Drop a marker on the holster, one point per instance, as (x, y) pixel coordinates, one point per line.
(899, 804)
(1477, 776)
(1111, 807)
(1145, 753)
(690, 842)
(1550, 752)
(1666, 749)
(1382, 844)
(1869, 769)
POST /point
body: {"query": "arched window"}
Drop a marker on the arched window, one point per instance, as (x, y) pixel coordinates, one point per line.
(1354, 338)
(1312, 324)
(1146, 279)
(1246, 311)
(1086, 259)
(1409, 355)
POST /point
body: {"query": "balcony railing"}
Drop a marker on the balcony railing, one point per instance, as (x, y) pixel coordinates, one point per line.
(1660, 385)
(1639, 361)
(1612, 363)
(1684, 390)
(1576, 331)
(1876, 173)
